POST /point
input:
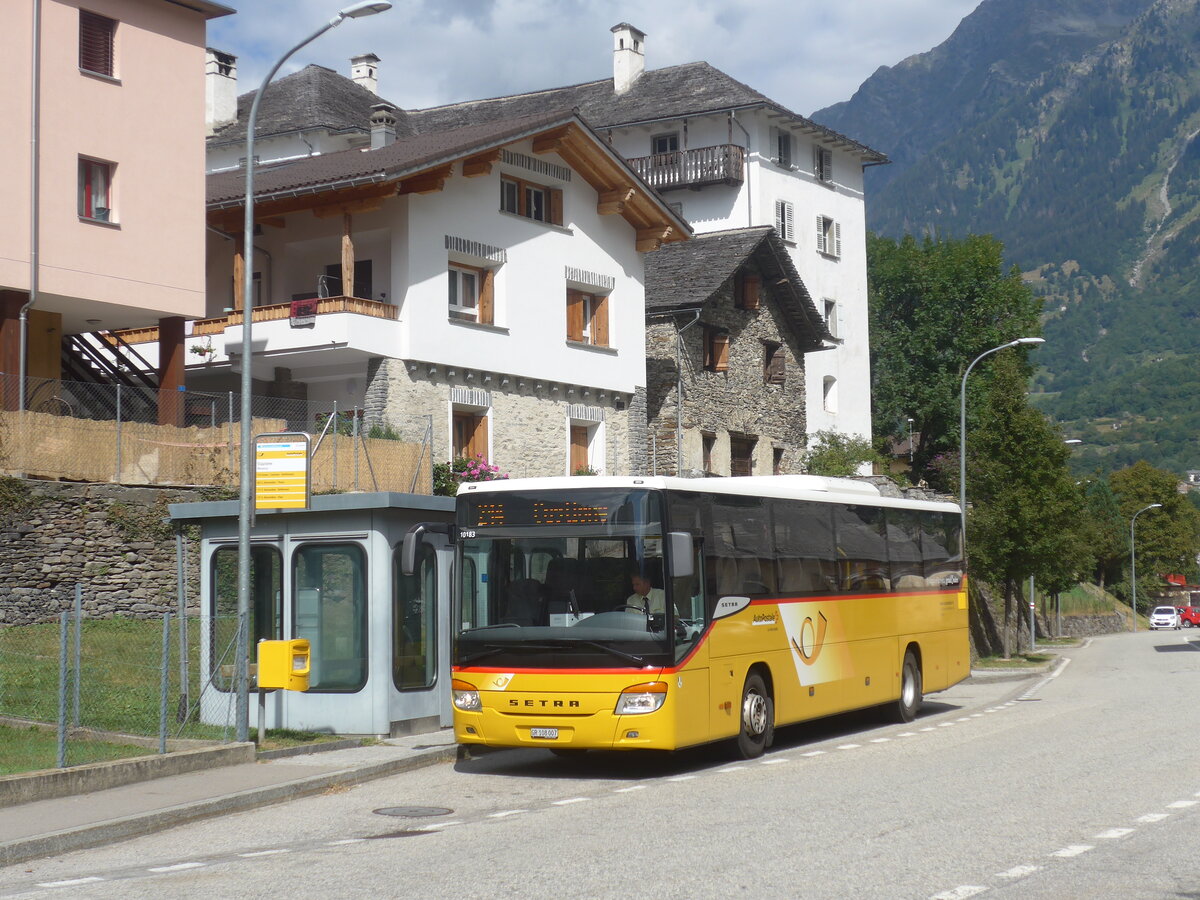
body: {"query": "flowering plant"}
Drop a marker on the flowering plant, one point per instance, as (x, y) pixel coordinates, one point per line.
(448, 476)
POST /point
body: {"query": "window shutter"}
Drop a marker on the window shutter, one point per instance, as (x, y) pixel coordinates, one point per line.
(556, 206)
(817, 162)
(96, 42)
(751, 285)
(780, 218)
(776, 367)
(837, 239)
(820, 234)
(599, 329)
(720, 352)
(574, 316)
(789, 222)
(774, 144)
(487, 297)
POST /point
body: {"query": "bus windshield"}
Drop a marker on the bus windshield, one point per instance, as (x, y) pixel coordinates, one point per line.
(564, 579)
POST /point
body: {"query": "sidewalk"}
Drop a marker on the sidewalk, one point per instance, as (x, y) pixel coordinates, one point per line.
(47, 827)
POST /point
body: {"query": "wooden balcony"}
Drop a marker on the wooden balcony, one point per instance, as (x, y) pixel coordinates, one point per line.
(272, 313)
(721, 164)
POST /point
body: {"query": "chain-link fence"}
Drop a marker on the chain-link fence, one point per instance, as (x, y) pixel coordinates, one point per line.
(139, 435)
(82, 690)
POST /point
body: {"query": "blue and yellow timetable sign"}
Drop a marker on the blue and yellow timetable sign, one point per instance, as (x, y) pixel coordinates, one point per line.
(281, 471)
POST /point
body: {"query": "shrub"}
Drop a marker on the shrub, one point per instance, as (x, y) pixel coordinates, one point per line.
(448, 476)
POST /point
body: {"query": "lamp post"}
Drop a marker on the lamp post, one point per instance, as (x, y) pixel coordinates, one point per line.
(354, 11)
(962, 428)
(1133, 559)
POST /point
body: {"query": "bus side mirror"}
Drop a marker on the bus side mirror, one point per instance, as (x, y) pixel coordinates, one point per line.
(683, 554)
(408, 552)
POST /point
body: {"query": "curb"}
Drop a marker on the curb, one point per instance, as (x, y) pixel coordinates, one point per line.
(100, 833)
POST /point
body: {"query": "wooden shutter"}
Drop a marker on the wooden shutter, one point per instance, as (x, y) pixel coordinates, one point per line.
(556, 206)
(579, 448)
(749, 290)
(775, 367)
(720, 352)
(820, 234)
(479, 438)
(599, 323)
(487, 294)
(837, 239)
(96, 42)
(575, 301)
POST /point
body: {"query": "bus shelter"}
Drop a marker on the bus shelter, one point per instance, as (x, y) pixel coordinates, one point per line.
(379, 640)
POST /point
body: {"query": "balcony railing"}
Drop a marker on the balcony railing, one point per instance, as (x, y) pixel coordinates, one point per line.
(721, 164)
(274, 312)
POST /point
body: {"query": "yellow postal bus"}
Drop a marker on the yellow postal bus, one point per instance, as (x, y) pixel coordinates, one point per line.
(771, 600)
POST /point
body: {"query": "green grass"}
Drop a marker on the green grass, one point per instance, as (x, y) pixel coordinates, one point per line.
(32, 749)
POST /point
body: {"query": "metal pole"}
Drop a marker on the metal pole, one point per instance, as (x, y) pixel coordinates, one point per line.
(63, 619)
(354, 441)
(181, 596)
(1058, 615)
(1133, 560)
(117, 478)
(1032, 619)
(164, 683)
(334, 419)
(78, 651)
(229, 430)
(241, 661)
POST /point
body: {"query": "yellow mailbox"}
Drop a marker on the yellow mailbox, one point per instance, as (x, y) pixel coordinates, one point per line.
(283, 664)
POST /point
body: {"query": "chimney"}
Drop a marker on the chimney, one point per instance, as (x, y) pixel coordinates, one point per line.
(629, 56)
(220, 89)
(383, 125)
(364, 70)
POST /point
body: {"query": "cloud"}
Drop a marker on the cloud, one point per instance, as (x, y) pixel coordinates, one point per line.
(803, 53)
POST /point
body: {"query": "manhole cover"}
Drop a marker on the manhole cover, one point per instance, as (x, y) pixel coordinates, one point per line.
(412, 812)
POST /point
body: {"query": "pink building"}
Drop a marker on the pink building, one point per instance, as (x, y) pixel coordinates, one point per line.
(104, 108)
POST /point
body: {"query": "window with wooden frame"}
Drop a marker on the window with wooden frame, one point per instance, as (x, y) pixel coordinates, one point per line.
(829, 237)
(532, 201)
(741, 454)
(587, 318)
(781, 147)
(96, 41)
(823, 164)
(471, 293)
(785, 220)
(716, 349)
(665, 143)
(95, 190)
(470, 435)
(747, 290)
(831, 316)
(774, 363)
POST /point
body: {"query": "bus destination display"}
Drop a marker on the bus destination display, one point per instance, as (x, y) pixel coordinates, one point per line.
(499, 513)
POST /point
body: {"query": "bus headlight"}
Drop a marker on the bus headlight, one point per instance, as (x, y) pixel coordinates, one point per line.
(641, 698)
(466, 697)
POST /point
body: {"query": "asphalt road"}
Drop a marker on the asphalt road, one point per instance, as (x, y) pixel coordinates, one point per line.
(1074, 785)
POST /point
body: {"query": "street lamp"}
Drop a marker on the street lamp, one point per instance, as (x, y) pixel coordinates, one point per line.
(1133, 559)
(962, 428)
(353, 11)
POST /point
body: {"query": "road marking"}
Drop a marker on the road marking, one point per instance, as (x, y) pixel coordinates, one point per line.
(682, 778)
(1018, 872)
(930, 728)
(907, 734)
(430, 825)
(507, 812)
(351, 841)
(960, 892)
(963, 719)
(728, 769)
(1073, 850)
(255, 853)
(814, 753)
(975, 716)
(881, 740)
(626, 790)
(1150, 818)
(178, 867)
(572, 800)
(945, 724)
(70, 882)
(1113, 834)
(1182, 804)
(849, 746)
(774, 760)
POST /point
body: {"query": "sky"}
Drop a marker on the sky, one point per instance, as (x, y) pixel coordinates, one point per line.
(804, 54)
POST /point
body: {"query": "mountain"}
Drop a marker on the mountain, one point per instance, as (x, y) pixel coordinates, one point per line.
(1068, 129)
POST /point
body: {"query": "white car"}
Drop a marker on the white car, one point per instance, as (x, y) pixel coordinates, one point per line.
(1164, 617)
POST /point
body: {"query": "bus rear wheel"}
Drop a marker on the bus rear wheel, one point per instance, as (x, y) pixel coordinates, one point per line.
(905, 709)
(757, 718)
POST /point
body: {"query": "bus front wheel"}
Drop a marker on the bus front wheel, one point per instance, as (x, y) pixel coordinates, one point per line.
(906, 707)
(757, 718)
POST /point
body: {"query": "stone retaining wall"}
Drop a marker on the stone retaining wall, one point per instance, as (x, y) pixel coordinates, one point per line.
(1082, 626)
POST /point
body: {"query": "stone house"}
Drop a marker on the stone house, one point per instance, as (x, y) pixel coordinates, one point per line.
(730, 326)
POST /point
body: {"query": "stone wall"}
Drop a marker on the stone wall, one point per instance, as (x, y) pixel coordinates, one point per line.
(1081, 626)
(527, 418)
(110, 539)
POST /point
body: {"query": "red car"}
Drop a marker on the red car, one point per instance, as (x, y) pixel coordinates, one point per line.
(1189, 616)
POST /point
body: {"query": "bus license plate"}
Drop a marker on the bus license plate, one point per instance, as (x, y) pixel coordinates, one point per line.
(550, 734)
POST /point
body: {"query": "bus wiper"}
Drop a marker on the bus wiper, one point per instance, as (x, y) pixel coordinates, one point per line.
(488, 650)
(493, 649)
(596, 645)
(486, 627)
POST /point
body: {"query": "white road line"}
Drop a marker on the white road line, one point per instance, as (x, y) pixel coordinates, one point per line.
(507, 812)
(975, 716)
(774, 760)
(930, 728)
(572, 800)
(70, 882)
(348, 841)
(1182, 804)
(626, 790)
(907, 734)
(682, 777)
(1018, 872)
(1197, 794)
(430, 825)
(178, 867)
(255, 853)
(729, 769)
(1113, 834)
(881, 740)
(849, 746)
(1073, 850)
(1151, 818)
(960, 892)
(814, 753)
(945, 724)
(963, 719)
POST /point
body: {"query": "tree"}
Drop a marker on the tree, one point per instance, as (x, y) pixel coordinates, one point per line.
(1104, 530)
(838, 455)
(935, 306)
(1167, 538)
(1026, 507)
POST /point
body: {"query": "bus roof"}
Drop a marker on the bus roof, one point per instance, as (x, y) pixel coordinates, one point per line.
(787, 487)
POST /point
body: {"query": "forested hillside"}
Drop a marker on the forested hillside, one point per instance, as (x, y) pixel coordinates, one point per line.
(1067, 128)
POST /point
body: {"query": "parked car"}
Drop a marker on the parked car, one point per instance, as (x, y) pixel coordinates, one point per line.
(1189, 616)
(1164, 617)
